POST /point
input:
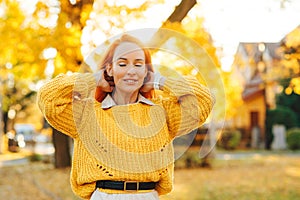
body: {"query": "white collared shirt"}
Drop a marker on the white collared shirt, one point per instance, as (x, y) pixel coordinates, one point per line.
(108, 101)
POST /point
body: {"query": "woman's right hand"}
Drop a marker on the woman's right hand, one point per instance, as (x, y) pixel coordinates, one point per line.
(105, 84)
(103, 81)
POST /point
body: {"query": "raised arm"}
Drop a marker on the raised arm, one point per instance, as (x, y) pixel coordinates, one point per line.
(187, 103)
(55, 99)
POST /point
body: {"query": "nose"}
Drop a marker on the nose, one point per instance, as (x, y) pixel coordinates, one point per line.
(131, 70)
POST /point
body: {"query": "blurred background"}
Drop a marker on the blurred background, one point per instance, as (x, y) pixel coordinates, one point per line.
(248, 148)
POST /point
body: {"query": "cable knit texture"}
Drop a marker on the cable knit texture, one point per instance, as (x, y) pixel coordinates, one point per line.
(130, 142)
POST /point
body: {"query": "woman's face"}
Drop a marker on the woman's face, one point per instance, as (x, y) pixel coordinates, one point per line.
(128, 68)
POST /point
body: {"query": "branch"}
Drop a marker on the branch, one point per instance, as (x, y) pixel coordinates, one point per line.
(181, 11)
(178, 15)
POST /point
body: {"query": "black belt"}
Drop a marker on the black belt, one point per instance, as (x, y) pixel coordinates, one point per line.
(125, 185)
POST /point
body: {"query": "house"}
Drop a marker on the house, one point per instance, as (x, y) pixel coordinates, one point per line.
(255, 66)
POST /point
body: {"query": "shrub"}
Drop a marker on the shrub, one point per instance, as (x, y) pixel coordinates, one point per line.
(230, 139)
(281, 115)
(35, 157)
(192, 159)
(293, 138)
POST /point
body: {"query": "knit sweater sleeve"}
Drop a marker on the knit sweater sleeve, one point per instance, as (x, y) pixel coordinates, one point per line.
(187, 103)
(56, 100)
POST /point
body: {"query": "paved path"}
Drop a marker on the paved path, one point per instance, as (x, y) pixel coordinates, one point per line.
(20, 161)
(22, 157)
(244, 155)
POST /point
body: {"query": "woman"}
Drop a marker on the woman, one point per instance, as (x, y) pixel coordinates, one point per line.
(122, 131)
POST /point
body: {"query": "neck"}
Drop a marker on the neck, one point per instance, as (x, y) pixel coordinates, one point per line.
(122, 98)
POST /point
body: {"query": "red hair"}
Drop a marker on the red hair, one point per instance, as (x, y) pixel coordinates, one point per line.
(108, 59)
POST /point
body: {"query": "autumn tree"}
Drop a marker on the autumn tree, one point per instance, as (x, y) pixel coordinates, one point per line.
(38, 47)
(66, 42)
(290, 75)
(21, 52)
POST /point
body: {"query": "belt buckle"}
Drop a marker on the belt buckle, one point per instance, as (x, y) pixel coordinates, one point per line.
(131, 182)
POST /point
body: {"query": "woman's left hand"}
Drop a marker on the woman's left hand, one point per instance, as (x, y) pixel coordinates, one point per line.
(148, 82)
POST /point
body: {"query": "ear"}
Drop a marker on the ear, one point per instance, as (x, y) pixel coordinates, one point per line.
(109, 70)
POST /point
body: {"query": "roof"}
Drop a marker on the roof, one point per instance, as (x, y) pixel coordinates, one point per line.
(252, 50)
(253, 88)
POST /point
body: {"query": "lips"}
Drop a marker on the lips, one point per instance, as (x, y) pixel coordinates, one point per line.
(130, 80)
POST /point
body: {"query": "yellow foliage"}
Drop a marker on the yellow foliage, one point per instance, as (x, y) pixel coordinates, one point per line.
(59, 64)
(85, 13)
(226, 89)
(293, 38)
(20, 47)
(291, 60)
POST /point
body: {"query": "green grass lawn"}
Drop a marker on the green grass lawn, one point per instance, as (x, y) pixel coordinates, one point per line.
(268, 177)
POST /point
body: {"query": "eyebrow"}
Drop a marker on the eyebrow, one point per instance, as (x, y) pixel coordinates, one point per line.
(138, 59)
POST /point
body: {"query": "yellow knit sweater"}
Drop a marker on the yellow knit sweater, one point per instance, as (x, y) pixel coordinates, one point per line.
(125, 142)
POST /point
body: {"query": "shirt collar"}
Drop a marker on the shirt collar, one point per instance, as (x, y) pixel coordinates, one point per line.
(108, 101)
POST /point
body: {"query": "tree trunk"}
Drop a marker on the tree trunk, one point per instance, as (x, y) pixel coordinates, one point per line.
(1, 126)
(61, 141)
(62, 149)
(3, 131)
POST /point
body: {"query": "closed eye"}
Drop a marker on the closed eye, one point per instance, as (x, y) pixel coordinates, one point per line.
(139, 65)
(122, 64)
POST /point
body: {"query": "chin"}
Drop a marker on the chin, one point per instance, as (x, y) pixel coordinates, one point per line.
(130, 90)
